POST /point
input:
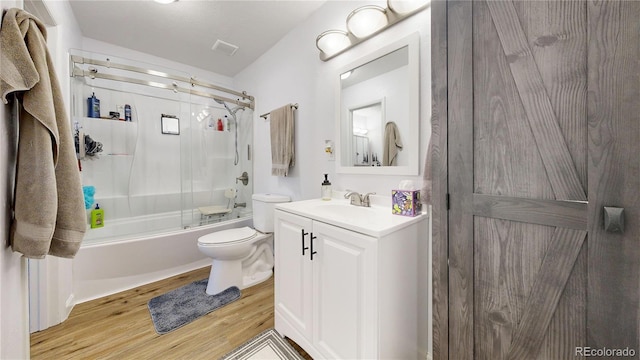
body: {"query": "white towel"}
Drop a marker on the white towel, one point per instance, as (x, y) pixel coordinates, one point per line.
(282, 140)
(392, 144)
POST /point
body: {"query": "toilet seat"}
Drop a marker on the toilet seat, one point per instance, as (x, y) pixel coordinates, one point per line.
(228, 237)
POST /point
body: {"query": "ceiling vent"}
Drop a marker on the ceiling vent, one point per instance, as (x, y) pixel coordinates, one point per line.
(224, 47)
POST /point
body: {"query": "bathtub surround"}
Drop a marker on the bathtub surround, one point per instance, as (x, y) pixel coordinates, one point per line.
(49, 205)
(185, 304)
(266, 345)
(198, 165)
(103, 269)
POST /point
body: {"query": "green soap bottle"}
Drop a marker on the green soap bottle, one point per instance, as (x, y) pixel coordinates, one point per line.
(97, 217)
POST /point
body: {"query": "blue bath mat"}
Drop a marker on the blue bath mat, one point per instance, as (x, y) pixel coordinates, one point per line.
(183, 305)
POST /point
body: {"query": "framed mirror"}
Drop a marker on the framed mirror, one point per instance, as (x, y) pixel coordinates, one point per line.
(377, 113)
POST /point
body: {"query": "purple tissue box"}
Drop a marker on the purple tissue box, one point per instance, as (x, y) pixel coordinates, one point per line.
(406, 202)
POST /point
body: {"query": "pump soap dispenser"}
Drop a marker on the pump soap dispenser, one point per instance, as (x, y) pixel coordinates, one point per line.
(326, 188)
(97, 217)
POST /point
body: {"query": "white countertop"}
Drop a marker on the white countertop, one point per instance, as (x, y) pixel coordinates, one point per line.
(376, 220)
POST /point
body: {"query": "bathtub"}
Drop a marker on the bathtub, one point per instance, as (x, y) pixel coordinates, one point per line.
(113, 264)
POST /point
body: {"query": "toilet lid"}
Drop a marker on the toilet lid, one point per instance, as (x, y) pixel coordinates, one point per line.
(228, 236)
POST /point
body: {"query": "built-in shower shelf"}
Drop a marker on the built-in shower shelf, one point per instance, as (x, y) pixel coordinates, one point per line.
(118, 138)
(106, 120)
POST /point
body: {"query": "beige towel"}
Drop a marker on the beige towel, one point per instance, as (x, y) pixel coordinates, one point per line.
(392, 144)
(49, 215)
(282, 140)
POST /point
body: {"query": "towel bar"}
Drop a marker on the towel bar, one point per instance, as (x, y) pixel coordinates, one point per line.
(295, 106)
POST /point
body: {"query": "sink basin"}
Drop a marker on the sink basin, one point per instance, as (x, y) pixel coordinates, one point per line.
(346, 210)
(375, 221)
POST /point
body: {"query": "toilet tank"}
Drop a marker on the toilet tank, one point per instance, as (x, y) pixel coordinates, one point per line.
(263, 209)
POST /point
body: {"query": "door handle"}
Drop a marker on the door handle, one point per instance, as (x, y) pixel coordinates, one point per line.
(313, 252)
(303, 247)
(614, 219)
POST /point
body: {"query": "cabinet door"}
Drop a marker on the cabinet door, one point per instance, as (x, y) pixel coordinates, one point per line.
(292, 275)
(344, 290)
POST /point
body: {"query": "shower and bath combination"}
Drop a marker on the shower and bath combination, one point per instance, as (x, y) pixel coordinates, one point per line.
(233, 112)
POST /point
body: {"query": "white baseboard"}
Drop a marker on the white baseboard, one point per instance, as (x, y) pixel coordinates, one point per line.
(69, 304)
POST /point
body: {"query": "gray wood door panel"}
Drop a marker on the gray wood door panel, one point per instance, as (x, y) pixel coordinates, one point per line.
(614, 174)
(439, 216)
(506, 159)
(550, 141)
(545, 293)
(529, 276)
(568, 214)
(504, 279)
(460, 92)
(557, 42)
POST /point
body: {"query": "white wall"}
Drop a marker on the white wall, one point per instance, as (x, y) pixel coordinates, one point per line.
(100, 47)
(50, 279)
(291, 72)
(14, 331)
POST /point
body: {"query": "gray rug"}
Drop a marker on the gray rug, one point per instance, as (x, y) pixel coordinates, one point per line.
(183, 305)
(266, 345)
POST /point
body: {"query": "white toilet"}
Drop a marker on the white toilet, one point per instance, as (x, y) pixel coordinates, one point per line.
(243, 257)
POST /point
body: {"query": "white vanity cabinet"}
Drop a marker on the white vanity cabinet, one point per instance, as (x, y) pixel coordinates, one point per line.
(341, 294)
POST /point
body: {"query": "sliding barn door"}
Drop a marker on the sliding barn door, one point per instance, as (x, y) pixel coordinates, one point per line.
(543, 133)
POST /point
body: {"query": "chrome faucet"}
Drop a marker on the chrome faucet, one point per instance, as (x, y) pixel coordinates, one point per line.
(365, 199)
(244, 178)
(357, 199)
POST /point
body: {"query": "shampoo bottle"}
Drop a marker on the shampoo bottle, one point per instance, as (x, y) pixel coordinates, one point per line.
(220, 125)
(326, 188)
(93, 106)
(97, 217)
(127, 112)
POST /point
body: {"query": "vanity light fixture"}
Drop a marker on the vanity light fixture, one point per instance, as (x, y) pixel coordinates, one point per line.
(365, 22)
(406, 6)
(332, 42)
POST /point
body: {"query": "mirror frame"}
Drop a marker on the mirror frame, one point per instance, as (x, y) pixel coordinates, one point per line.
(410, 140)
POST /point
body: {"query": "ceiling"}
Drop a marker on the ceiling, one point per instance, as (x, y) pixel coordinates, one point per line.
(186, 30)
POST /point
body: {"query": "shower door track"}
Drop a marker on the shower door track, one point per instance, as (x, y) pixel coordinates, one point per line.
(93, 73)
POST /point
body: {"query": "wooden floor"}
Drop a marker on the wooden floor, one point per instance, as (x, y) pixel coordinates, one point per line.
(120, 327)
